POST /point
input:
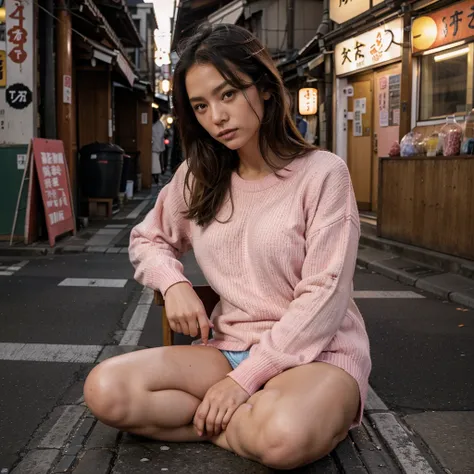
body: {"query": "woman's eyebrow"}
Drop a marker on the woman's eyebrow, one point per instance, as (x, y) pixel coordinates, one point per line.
(214, 92)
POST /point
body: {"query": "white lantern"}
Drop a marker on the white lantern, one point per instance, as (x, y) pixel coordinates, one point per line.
(308, 101)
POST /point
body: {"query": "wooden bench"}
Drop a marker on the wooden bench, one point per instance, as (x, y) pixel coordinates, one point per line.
(100, 207)
(207, 295)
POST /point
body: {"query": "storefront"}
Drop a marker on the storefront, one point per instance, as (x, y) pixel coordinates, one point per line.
(368, 72)
(426, 200)
(443, 65)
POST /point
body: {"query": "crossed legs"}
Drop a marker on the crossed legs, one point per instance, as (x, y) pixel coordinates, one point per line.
(298, 417)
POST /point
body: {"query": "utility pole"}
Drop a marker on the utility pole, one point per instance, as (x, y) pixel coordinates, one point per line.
(290, 18)
(63, 76)
(48, 72)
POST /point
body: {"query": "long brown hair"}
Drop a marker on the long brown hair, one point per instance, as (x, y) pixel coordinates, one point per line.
(229, 48)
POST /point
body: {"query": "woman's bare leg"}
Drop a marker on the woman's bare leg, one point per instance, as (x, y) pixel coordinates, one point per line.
(300, 416)
(155, 392)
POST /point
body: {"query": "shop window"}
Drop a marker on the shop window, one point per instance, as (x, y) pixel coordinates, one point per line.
(446, 83)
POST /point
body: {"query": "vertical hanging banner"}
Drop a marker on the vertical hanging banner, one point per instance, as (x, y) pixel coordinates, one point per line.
(3, 68)
(50, 163)
(20, 73)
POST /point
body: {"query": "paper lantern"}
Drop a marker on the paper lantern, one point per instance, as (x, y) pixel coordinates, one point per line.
(308, 101)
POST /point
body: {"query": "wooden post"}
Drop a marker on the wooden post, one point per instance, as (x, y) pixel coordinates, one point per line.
(406, 79)
(144, 131)
(64, 70)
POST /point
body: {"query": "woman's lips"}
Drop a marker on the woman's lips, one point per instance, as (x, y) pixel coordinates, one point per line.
(228, 135)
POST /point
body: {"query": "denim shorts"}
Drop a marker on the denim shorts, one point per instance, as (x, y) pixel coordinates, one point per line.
(235, 357)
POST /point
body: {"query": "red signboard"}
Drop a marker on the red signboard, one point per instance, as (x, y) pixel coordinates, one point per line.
(50, 163)
(442, 27)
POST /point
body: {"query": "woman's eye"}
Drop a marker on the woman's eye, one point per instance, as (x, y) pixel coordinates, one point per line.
(228, 95)
(199, 107)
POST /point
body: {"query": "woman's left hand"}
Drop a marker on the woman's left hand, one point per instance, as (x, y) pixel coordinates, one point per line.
(219, 404)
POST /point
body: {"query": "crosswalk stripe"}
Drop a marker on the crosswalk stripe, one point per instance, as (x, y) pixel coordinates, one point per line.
(386, 294)
(94, 282)
(136, 212)
(85, 354)
(7, 271)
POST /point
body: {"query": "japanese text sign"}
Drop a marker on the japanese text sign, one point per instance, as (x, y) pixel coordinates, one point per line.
(442, 27)
(51, 166)
(308, 101)
(341, 11)
(375, 47)
(20, 72)
(3, 68)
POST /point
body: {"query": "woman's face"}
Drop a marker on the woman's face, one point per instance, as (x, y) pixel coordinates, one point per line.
(231, 116)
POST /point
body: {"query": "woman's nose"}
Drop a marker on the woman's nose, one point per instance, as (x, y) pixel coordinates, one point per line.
(219, 115)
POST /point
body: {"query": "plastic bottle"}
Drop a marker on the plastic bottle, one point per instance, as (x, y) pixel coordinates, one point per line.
(452, 136)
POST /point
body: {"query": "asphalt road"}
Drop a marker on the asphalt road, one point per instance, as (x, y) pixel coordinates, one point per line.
(422, 358)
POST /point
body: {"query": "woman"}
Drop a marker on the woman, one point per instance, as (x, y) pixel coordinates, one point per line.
(158, 146)
(274, 227)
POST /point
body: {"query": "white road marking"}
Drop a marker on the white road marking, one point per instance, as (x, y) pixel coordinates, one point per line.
(136, 212)
(399, 442)
(103, 237)
(38, 461)
(57, 436)
(8, 271)
(138, 320)
(387, 294)
(18, 351)
(95, 282)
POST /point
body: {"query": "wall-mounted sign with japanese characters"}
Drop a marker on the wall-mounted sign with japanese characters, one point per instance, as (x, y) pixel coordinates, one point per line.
(51, 168)
(341, 11)
(20, 71)
(370, 49)
(18, 96)
(308, 101)
(3, 68)
(442, 27)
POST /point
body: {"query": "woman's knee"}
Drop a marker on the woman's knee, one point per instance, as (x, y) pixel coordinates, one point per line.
(268, 433)
(284, 445)
(107, 394)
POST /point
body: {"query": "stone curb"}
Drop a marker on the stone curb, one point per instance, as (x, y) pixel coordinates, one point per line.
(463, 295)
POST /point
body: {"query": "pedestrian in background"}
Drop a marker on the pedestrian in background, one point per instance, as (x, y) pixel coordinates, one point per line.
(158, 146)
(280, 373)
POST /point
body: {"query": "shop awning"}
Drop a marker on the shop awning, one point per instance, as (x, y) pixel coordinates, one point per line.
(125, 69)
(228, 14)
(101, 52)
(96, 29)
(110, 56)
(120, 19)
(316, 62)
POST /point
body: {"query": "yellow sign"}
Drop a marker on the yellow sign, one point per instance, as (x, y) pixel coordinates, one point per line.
(3, 69)
(341, 11)
(370, 49)
(443, 27)
(308, 101)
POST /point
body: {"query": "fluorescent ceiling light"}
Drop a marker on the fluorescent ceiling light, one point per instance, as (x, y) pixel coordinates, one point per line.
(451, 54)
(106, 58)
(444, 48)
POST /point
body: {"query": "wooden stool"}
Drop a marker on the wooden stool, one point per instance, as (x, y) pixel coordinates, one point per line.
(100, 207)
(208, 297)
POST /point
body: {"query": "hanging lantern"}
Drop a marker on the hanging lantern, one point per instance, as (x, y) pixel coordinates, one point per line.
(308, 101)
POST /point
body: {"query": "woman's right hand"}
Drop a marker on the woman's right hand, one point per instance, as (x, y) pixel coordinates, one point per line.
(185, 311)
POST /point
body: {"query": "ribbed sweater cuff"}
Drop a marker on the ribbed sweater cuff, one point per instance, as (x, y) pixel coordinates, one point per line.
(167, 277)
(253, 372)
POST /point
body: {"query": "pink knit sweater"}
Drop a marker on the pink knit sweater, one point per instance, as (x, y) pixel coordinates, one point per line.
(283, 266)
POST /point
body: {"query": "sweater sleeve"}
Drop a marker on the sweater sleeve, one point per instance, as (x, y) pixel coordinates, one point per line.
(322, 295)
(161, 238)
